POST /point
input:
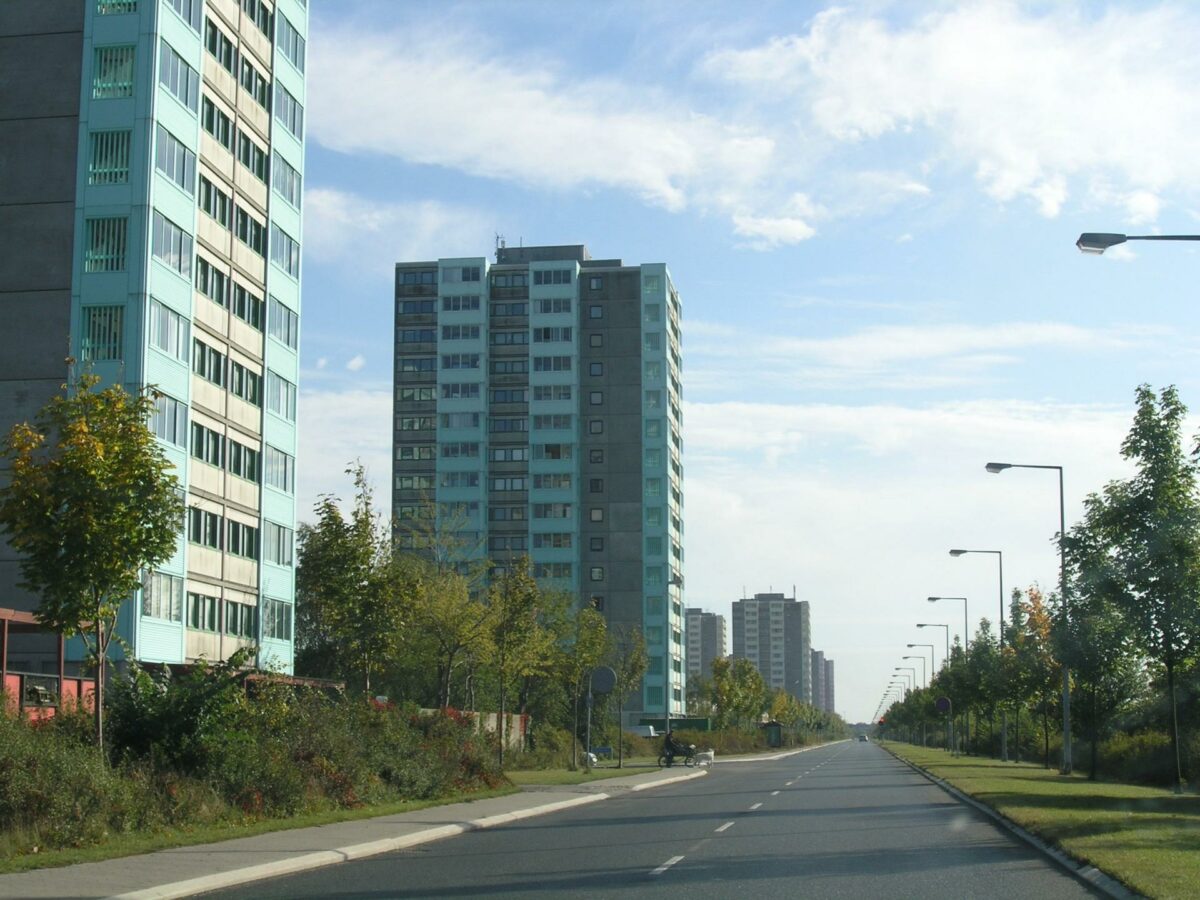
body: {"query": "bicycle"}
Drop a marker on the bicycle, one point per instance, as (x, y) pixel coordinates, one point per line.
(688, 757)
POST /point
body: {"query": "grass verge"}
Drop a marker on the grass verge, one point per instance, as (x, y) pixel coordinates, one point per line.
(634, 766)
(1148, 838)
(119, 845)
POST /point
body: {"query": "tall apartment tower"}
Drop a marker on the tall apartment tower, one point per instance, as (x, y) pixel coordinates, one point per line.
(705, 641)
(773, 632)
(829, 693)
(818, 679)
(151, 158)
(537, 405)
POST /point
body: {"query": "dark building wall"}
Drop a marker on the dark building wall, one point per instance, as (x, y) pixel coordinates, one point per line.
(41, 47)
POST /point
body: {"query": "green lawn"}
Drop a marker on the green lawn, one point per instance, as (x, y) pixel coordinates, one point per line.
(118, 845)
(1147, 837)
(634, 765)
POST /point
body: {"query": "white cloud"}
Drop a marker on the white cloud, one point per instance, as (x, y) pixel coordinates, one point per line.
(339, 426)
(1030, 101)
(322, 363)
(370, 236)
(356, 363)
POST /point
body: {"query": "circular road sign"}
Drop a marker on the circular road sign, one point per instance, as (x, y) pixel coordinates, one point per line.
(942, 704)
(604, 679)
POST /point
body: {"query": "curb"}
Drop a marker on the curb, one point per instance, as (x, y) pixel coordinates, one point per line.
(1085, 872)
(322, 858)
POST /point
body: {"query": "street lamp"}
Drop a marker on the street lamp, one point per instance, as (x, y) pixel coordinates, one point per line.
(1097, 242)
(932, 666)
(1003, 711)
(904, 670)
(946, 658)
(966, 642)
(996, 468)
(924, 680)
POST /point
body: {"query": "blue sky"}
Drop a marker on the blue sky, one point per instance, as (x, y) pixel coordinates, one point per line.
(870, 212)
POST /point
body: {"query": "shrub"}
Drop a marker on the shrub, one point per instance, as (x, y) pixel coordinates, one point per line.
(1145, 757)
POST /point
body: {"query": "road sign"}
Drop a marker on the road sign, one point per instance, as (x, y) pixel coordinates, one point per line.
(942, 704)
(604, 679)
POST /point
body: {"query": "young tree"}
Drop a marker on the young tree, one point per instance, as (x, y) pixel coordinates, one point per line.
(448, 623)
(739, 692)
(628, 658)
(1150, 525)
(1039, 662)
(583, 650)
(91, 506)
(348, 581)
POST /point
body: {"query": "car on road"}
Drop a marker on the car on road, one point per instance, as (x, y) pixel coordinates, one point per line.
(863, 737)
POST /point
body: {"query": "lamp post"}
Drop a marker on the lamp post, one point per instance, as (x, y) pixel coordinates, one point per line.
(966, 641)
(946, 658)
(921, 659)
(1003, 709)
(1097, 242)
(906, 669)
(996, 468)
(932, 665)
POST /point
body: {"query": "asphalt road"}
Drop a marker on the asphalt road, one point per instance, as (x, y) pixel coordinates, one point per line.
(843, 821)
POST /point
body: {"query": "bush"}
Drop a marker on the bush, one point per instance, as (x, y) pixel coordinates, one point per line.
(1145, 758)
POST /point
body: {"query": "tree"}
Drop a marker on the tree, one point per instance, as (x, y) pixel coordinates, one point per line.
(739, 692)
(92, 506)
(1149, 526)
(1037, 659)
(584, 650)
(628, 658)
(521, 646)
(449, 623)
(350, 586)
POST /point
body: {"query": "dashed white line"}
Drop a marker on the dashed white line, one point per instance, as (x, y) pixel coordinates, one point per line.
(774, 793)
(756, 806)
(670, 862)
(723, 827)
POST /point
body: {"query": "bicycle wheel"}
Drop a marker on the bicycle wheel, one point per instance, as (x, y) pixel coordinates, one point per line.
(664, 762)
(690, 761)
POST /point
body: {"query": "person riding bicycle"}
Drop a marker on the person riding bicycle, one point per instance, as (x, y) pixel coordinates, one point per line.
(673, 748)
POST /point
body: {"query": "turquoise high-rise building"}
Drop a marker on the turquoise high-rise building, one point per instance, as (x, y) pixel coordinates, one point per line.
(538, 409)
(151, 163)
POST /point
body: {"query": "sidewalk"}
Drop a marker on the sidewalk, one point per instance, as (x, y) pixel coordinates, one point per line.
(184, 871)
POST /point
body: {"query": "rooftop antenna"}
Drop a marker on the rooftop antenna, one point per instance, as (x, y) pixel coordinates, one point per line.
(500, 245)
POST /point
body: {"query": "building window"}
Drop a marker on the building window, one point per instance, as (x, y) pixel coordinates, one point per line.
(595, 426)
(596, 514)
(553, 276)
(654, 546)
(277, 619)
(189, 11)
(653, 312)
(654, 516)
(208, 446)
(551, 334)
(460, 361)
(596, 369)
(596, 544)
(175, 160)
(286, 181)
(239, 619)
(108, 157)
(653, 399)
(162, 597)
(171, 245)
(277, 541)
(555, 421)
(596, 456)
(281, 396)
(243, 461)
(257, 12)
(112, 73)
(289, 41)
(245, 384)
(653, 428)
(204, 528)
(552, 364)
(169, 420)
(550, 305)
(595, 283)
(106, 241)
(208, 362)
(456, 303)
(289, 112)
(552, 510)
(460, 332)
(115, 7)
(283, 324)
(280, 470)
(247, 306)
(651, 284)
(215, 202)
(596, 398)
(653, 340)
(217, 124)
(596, 485)
(103, 330)
(212, 282)
(250, 232)
(220, 47)
(243, 540)
(252, 156)
(552, 481)
(253, 82)
(595, 311)
(596, 573)
(178, 77)
(202, 612)
(595, 339)
(553, 451)
(653, 457)
(285, 251)
(508, 338)
(169, 331)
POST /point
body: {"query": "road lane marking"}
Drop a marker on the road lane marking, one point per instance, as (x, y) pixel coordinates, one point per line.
(723, 827)
(756, 806)
(774, 793)
(670, 862)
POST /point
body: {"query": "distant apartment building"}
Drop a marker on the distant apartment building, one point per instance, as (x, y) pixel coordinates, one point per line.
(828, 687)
(538, 408)
(774, 633)
(705, 641)
(151, 161)
(818, 679)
